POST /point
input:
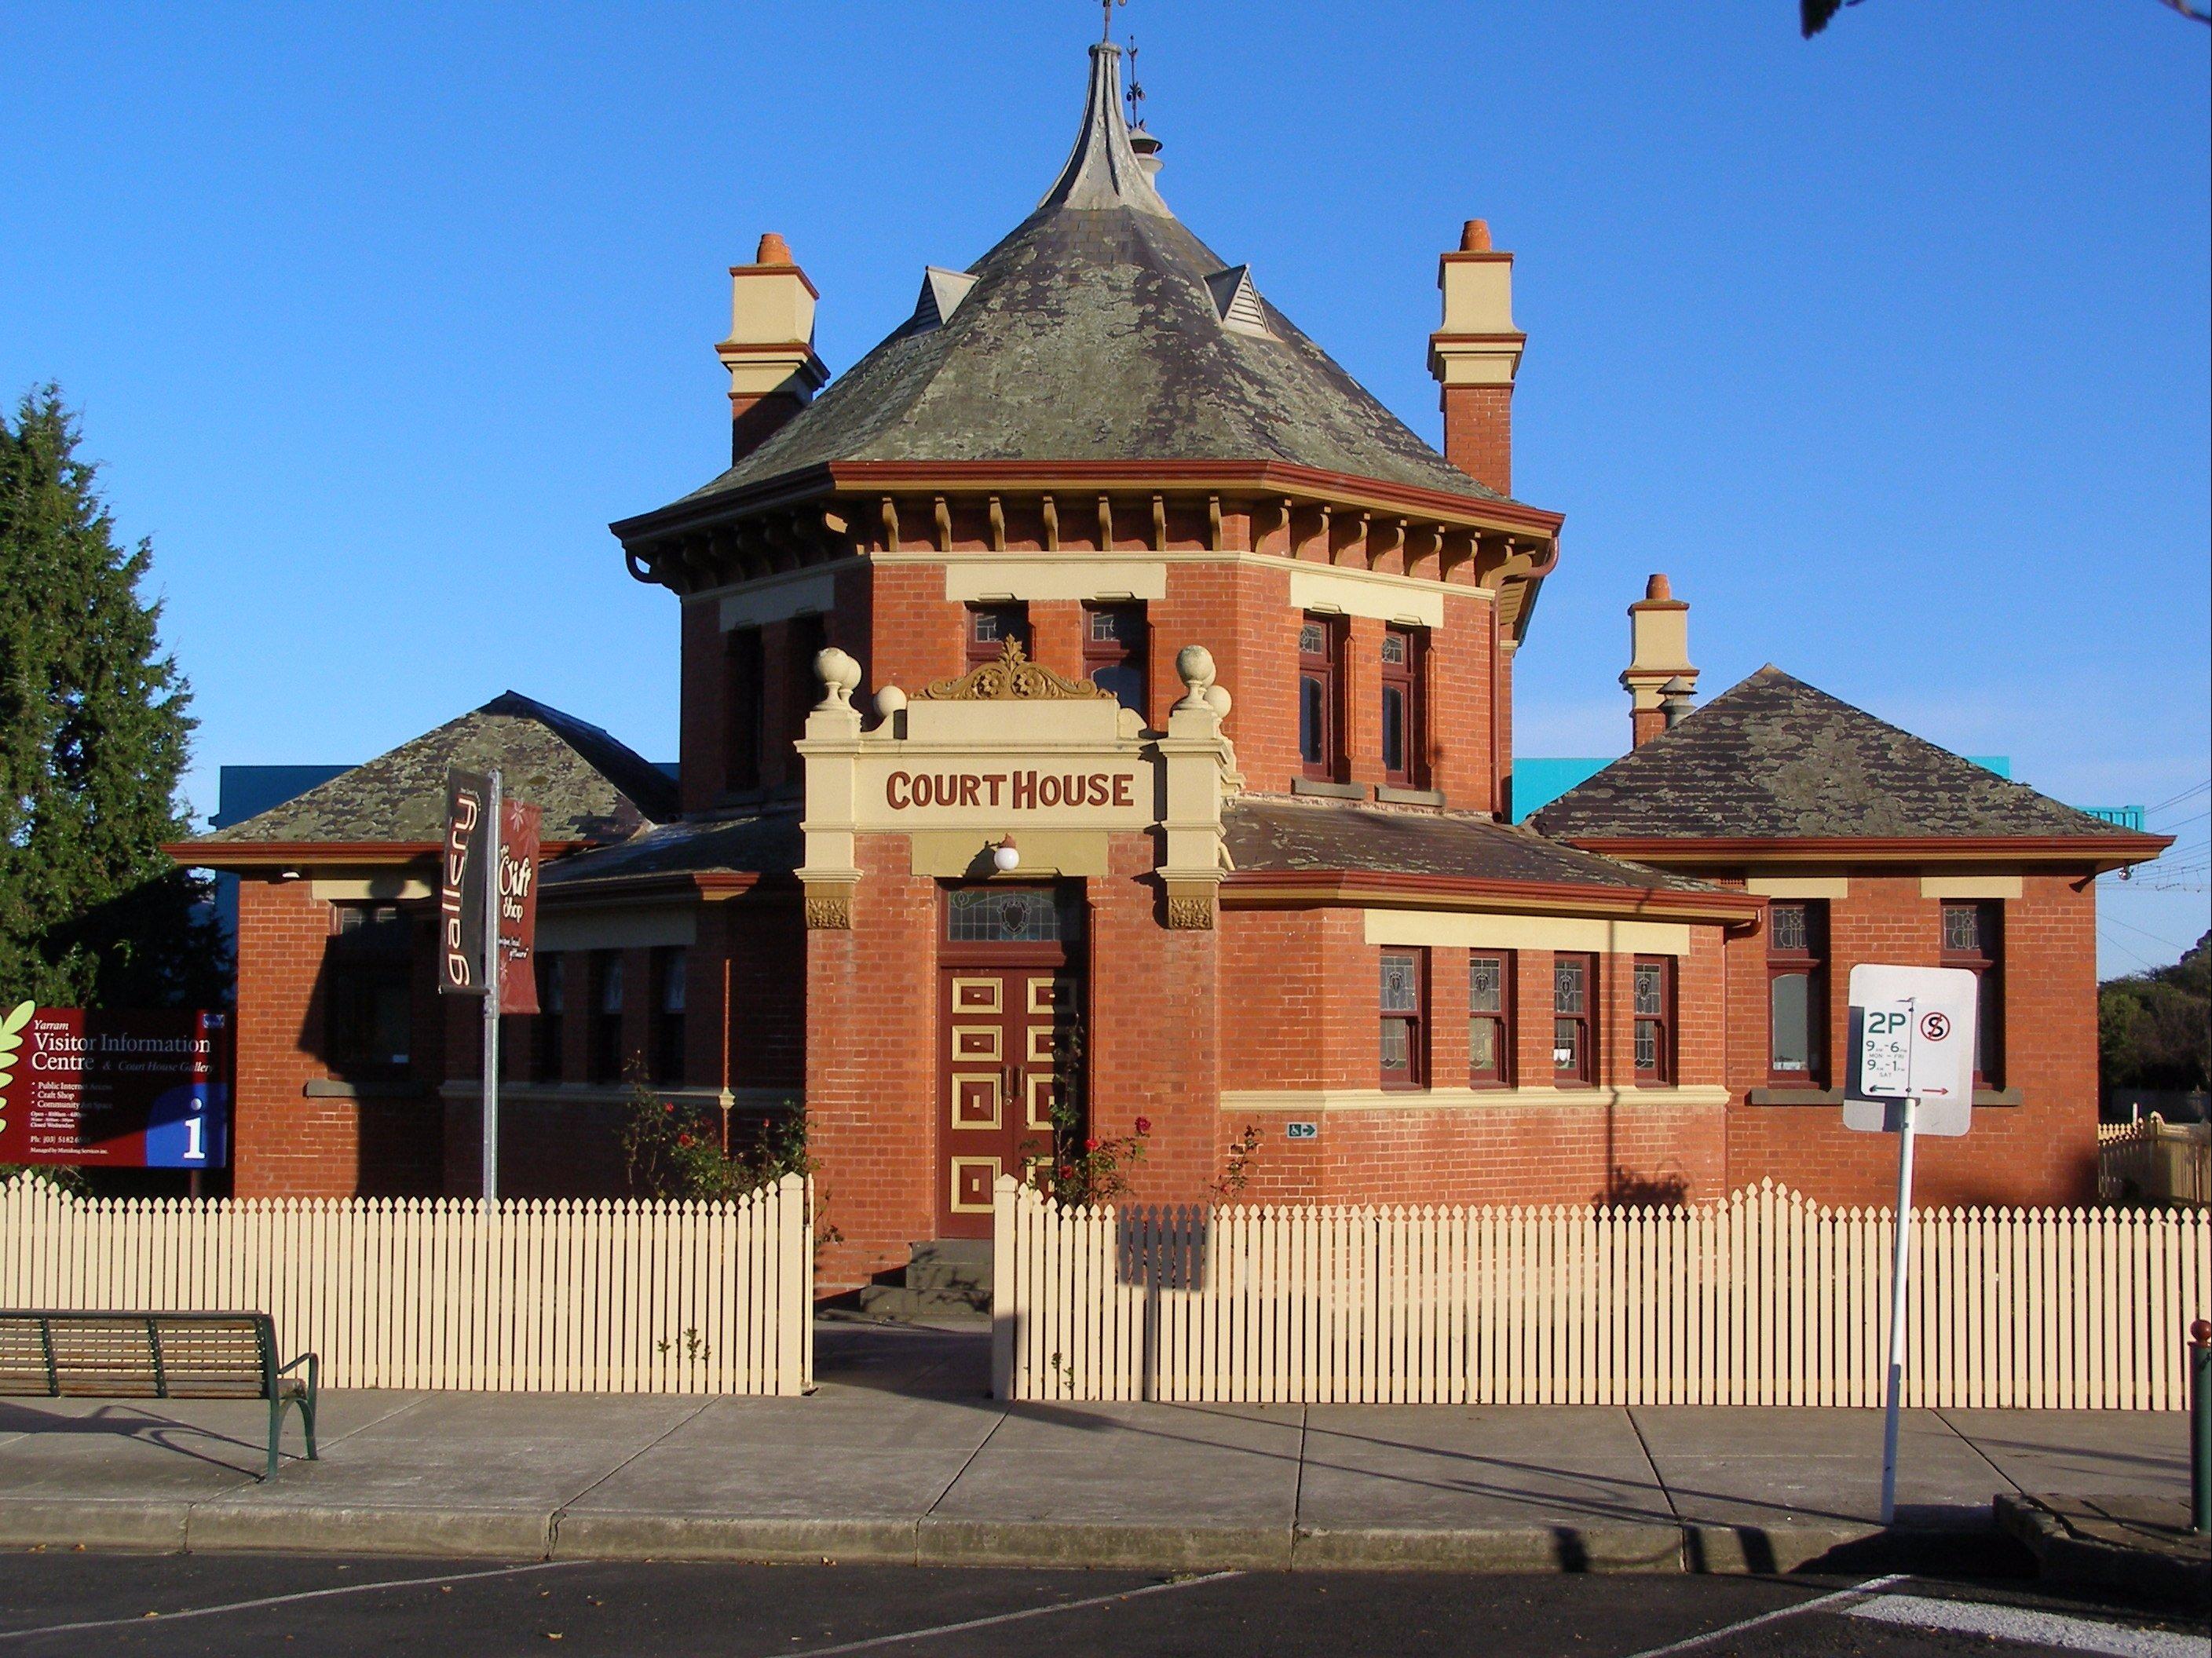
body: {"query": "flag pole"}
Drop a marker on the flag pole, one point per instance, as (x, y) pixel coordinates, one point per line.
(491, 966)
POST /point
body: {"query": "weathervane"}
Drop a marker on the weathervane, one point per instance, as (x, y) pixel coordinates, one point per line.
(1107, 6)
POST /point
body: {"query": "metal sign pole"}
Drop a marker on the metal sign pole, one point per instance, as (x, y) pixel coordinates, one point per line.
(1901, 1277)
(491, 965)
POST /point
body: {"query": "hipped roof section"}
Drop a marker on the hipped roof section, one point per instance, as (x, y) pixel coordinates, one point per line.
(590, 787)
(1092, 335)
(1774, 759)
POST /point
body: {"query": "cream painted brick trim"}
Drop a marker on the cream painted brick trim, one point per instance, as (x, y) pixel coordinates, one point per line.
(1356, 592)
(949, 854)
(1799, 886)
(1452, 929)
(389, 887)
(779, 598)
(1318, 1101)
(609, 927)
(1970, 886)
(1040, 580)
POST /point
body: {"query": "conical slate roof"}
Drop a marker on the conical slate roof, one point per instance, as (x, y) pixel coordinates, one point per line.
(590, 787)
(1774, 758)
(1095, 331)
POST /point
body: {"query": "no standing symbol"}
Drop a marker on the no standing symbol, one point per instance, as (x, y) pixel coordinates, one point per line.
(1935, 1027)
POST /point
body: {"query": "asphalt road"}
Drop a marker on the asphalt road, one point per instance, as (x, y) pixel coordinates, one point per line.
(76, 1603)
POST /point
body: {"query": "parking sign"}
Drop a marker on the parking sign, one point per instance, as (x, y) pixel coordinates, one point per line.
(1913, 1036)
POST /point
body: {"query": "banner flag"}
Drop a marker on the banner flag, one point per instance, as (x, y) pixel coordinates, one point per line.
(115, 1090)
(518, 906)
(461, 885)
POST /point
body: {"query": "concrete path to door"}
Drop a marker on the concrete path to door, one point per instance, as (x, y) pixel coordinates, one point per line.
(901, 1456)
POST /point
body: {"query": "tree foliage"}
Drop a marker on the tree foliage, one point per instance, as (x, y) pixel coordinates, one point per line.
(93, 740)
(2153, 1028)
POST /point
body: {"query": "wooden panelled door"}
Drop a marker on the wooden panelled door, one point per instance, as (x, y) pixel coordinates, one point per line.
(1008, 1003)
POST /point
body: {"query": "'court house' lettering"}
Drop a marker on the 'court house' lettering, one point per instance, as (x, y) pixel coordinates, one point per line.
(1022, 790)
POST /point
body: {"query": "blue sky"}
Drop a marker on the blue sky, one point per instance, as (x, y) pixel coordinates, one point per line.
(1890, 347)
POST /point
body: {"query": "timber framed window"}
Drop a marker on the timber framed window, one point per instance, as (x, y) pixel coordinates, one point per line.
(989, 628)
(1973, 938)
(1796, 993)
(547, 1060)
(606, 1016)
(1116, 643)
(1403, 1002)
(1652, 997)
(1574, 984)
(670, 969)
(371, 1024)
(1490, 1019)
(1321, 697)
(743, 708)
(1404, 715)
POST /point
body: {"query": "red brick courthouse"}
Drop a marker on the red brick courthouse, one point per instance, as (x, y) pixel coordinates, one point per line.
(1098, 567)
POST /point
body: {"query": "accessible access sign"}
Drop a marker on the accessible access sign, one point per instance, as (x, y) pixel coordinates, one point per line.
(115, 1090)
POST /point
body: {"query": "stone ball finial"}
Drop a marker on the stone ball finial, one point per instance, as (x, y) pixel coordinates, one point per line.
(889, 701)
(773, 250)
(1218, 699)
(838, 673)
(1194, 666)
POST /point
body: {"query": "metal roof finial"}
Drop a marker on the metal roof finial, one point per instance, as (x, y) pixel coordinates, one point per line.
(1107, 7)
(1135, 95)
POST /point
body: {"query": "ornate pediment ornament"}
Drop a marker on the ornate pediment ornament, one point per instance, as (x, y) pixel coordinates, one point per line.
(1013, 677)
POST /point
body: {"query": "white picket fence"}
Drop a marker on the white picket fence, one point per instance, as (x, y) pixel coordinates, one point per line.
(1763, 1299)
(2154, 1161)
(566, 1297)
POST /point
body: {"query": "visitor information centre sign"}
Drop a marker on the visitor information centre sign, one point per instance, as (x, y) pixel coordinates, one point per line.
(114, 1090)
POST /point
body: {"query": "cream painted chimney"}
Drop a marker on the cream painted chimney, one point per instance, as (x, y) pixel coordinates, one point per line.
(773, 372)
(1475, 355)
(1659, 671)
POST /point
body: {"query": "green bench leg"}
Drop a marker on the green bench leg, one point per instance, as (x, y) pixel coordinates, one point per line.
(306, 1407)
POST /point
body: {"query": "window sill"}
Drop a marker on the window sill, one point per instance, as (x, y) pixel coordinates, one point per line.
(1327, 791)
(1988, 1098)
(1788, 1095)
(1391, 794)
(1580, 1097)
(468, 1091)
(390, 1088)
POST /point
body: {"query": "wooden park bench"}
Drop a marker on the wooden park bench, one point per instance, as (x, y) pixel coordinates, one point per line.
(108, 1355)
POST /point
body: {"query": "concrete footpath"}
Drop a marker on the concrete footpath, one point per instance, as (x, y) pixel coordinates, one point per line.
(901, 1456)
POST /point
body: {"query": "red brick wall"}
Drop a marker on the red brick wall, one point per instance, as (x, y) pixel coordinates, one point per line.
(871, 1072)
(1300, 1012)
(284, 1144)
(2041, 1151)
(1478, 432)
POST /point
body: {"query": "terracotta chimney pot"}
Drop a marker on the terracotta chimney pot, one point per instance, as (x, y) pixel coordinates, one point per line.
(773, 250)
(1474, 236)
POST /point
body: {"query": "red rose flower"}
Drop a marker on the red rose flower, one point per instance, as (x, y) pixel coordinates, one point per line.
(670, 1108)
(684, 1140)
(1067, 1171)
(1090, 1144)
(1143, 1125)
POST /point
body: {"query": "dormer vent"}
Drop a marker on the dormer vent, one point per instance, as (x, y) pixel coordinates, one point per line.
(942, 291)
(1236, 302)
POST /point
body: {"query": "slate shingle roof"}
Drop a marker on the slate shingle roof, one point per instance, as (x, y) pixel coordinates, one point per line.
(1091, 335)
(1774, 758)
(591, 786)
(1273, 833)
(770, 844)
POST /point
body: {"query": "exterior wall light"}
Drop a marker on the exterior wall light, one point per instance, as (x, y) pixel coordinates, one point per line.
(1005, 857)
